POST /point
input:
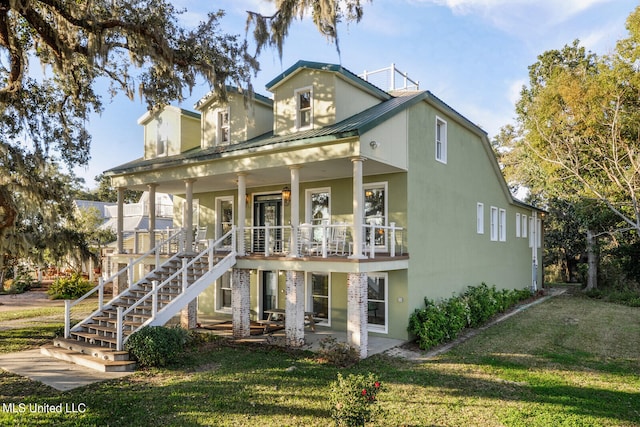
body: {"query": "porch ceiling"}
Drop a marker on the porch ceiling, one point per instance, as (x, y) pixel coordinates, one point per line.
(309, 171)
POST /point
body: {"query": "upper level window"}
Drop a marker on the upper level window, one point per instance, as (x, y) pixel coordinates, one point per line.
(223, 127)
(494, 224)
(441, 140)
(304, 110)
(503, 225)
(161, 138)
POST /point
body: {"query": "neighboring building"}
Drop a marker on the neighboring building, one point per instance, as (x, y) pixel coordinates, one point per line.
(401, 198)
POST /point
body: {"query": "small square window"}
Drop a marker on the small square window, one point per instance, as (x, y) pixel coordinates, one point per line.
(441, 140)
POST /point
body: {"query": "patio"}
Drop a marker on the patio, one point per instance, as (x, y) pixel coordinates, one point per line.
(375, 344)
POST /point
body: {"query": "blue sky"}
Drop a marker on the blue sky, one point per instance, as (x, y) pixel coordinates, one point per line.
(473, 54)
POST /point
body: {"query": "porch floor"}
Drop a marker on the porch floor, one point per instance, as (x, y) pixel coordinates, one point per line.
(375, 345)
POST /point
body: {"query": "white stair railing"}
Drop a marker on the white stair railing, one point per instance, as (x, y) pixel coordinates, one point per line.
(160, 316)
(177, 239)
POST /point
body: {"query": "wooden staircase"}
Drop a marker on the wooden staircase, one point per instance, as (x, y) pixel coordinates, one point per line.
(93, 342)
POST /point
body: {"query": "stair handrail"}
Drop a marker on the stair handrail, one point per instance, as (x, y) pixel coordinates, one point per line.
(183, 270)
(68, 305)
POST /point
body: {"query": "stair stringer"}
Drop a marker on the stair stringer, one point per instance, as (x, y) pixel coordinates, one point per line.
(195, 289)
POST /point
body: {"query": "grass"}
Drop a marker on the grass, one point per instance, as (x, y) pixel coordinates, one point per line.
(567, 362)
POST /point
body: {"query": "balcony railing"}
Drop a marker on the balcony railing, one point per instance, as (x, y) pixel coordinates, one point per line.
(319, 240)
(323, 240)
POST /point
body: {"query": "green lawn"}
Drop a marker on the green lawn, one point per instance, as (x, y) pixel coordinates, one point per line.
(567, 362)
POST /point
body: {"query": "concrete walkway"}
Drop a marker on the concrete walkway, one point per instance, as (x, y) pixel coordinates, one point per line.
(55, 373)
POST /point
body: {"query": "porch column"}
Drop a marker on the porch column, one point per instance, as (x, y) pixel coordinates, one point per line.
(358, 208)
(242, 211)
(189, 315)
(152, 215)
(294, 309)
(120, 221)
(295, 208)
(241, 303)
(357, 335)
(188, 214)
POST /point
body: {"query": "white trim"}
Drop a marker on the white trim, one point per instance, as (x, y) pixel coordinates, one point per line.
(307, 202)
(539, 234)
(296, 94)
(375, 185)
(480, 218)
(309, 295)
(524, 226)
(441, 143)
(220, 128)
(218, 214)
(493, 218)
(377, 328)
(518, 225)
(217, 306)
(502, 225)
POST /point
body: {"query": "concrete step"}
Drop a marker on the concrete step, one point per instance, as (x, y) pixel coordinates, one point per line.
(87, 360)
(93, 350)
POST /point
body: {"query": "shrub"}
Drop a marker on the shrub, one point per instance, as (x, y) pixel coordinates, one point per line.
(157, 345)
(354, 399)
(71, 287)
(338, 353)
(441, 322)
(21, 284)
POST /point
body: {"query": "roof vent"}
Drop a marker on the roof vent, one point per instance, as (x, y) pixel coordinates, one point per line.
(390, 79)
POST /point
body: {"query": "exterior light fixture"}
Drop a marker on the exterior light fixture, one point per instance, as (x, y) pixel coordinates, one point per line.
(374, 144)
(286, 195)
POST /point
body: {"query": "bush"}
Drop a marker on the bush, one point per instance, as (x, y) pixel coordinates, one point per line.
(157, 345)
(354, 399)
(441, 322)
(71, 287)
(21, 284)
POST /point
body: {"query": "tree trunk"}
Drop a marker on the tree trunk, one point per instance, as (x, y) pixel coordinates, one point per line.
(592, 261)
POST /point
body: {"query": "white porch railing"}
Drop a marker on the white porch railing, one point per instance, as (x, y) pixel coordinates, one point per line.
(176, 240)
(322, 240)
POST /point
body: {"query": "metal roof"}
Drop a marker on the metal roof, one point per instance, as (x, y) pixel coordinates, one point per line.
(352, 126)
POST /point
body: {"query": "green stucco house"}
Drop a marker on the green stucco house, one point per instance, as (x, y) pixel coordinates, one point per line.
(337, 201)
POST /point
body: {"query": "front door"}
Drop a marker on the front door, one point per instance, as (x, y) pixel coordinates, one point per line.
(267, 209)
(269, 291)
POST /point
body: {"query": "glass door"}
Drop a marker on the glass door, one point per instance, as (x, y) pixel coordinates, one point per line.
(267, 209)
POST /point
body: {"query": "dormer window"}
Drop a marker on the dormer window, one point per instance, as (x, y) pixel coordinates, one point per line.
(304, 111)
(223, 127)
(162, 138)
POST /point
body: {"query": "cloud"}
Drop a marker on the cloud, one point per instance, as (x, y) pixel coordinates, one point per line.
(523, 17)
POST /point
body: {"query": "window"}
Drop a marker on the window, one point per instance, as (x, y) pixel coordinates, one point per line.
(539, 234)
(223, 127)
(441, 140)
(524, 226)
(502, 225)
(375, 212)
(318, 209)
(320, 301)
(532, 233)
(162, 139)
(377, 302)
(480, 218)
(518, 225)
(224, 217)
(304, 110)
(225, 286)
(494, 224)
